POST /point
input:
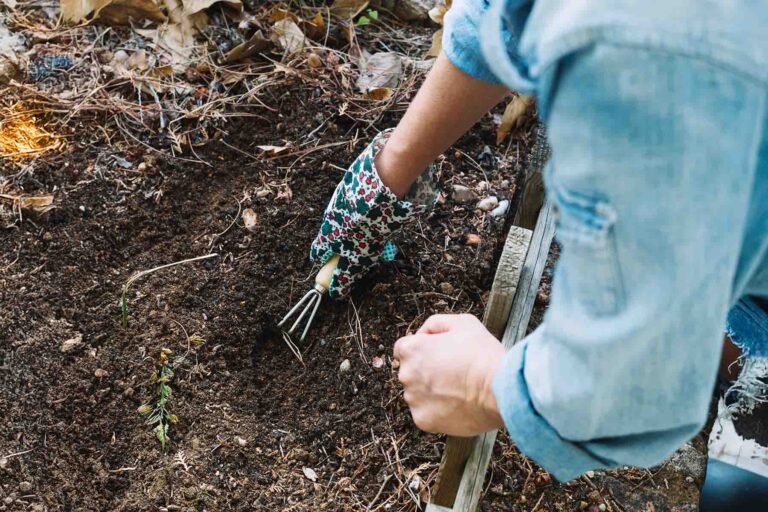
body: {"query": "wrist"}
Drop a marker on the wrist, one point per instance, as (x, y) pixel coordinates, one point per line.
(487, 397)
(394, 164)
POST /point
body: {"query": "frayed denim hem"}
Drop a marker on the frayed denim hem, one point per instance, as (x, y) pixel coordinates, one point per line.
(748, 328)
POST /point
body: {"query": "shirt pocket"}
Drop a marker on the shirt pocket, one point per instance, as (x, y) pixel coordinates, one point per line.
(589, 266)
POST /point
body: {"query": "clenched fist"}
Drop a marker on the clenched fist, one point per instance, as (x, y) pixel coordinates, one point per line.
(446, 369)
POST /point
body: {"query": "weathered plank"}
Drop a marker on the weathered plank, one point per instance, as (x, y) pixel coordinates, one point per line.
(532, 198)
(495, 316)
(471, 485)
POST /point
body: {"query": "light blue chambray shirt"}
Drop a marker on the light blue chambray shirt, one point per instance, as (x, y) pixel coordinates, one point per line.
(659, 171)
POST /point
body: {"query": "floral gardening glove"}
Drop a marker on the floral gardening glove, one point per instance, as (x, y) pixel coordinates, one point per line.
(363, 215)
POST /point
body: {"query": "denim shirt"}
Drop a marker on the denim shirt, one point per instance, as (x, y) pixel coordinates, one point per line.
(657, 118)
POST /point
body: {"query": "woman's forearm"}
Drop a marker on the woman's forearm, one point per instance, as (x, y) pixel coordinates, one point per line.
(447, 105)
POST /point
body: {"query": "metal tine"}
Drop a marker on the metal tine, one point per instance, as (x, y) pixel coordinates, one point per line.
(304, 312)
(295, 308)
(311, 317)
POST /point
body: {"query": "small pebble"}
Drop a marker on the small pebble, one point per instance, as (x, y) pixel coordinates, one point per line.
(345, 366)
(72, 343)
(472, 239)
(462, 194)
(25, 487)
(120, 56)
(500, 210)
(583, 505)
(488, 204)
(591, 474)
(689, 479)
(100, 373)
(241, 442)
(601, 507)
(446, 288)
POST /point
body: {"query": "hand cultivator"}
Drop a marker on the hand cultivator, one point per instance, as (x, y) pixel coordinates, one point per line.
(311, 301)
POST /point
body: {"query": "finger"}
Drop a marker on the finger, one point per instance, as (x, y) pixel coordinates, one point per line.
(437, 324)
(403, 347)
(408, 397)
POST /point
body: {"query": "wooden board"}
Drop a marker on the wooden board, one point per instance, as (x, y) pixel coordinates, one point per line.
(465, 460)
(457, 449)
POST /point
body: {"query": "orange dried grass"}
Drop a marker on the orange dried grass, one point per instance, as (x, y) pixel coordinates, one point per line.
(22, 136)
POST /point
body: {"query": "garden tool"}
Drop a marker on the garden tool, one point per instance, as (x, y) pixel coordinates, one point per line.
(311, 301)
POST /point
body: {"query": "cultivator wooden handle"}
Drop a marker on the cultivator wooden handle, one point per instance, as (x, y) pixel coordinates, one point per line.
(323, 278)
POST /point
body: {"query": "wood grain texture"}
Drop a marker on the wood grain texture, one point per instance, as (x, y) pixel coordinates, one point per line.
(473, 477)
(508, 274)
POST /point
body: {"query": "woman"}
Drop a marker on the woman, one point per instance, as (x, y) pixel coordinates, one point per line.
(657, 117)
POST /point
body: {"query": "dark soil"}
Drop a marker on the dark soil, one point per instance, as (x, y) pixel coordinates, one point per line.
(255, 425)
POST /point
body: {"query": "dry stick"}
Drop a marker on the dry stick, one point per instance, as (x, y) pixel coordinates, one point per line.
(142, 273)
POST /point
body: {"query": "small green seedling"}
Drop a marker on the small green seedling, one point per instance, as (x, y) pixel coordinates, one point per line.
(160, 414)
(369, 17)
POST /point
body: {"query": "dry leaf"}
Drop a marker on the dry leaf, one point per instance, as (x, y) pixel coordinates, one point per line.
(437, 44)
(315, 28)
(255, 45)
(279, 12)
(111, 12)
(36, 202)
(250, 219)
(123, 12)
(310, 474)
(273, 150)
(195, 6)
(348, 9)
(287, 34)
(379, 70)
(77, 10)
(437, 13)
(512, 113)
(285, 193)
(379, 93)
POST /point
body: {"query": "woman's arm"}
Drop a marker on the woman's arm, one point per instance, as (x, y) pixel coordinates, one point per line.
(447, 105)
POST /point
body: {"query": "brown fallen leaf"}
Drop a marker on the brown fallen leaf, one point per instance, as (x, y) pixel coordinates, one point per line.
(280, 12)
(195, 6)
(348, 9)
(123, 12)
(437, 13)
(379, 93)
(254, 46)
(515, 109)
(437, 44)
(38, 204)
(314, 28)
(382, 69)
(111, 12)
(287, 34)
(250, 219)
(273, 150)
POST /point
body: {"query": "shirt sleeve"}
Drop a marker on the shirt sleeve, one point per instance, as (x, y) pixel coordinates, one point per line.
(652, 196)
(461, 39)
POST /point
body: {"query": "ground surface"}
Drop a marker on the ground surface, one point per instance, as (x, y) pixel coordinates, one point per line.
(257, 429)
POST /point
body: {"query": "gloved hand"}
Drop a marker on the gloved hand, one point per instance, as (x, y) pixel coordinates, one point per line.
(363, 215)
